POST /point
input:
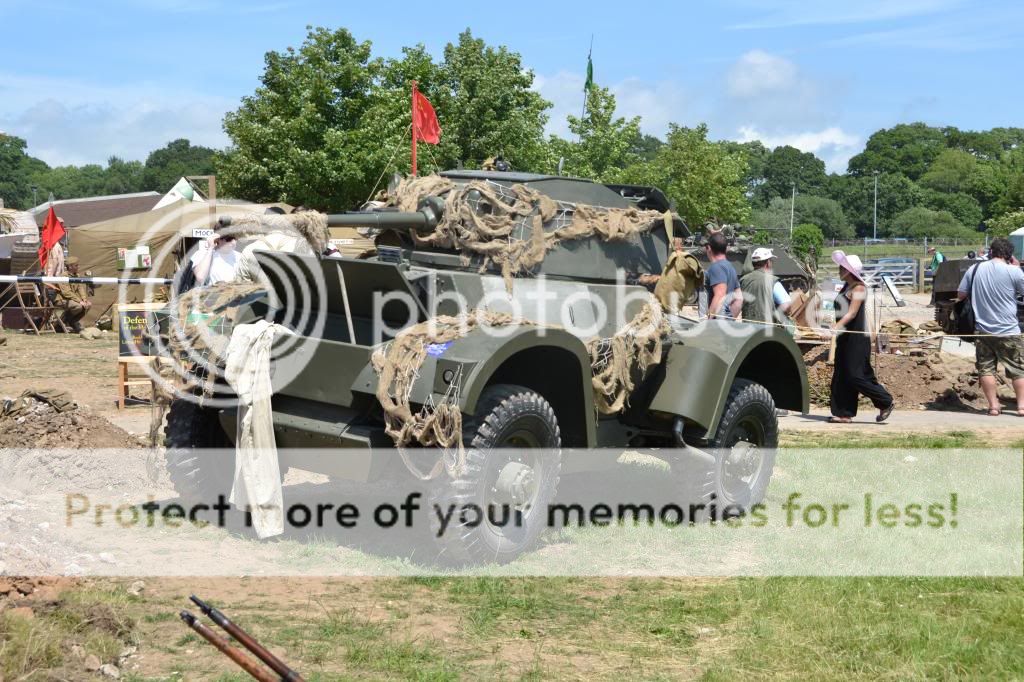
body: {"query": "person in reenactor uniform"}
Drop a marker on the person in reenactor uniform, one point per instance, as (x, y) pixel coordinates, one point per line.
(72, 298)
(678, 281)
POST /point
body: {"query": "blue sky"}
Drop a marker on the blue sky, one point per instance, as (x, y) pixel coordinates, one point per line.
(84, 80)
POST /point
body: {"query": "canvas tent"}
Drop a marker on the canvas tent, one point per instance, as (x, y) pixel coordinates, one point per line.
(1017, 239)
(149, 244)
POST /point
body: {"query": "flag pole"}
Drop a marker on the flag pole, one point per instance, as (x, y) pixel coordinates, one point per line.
(414, 131)
(586, 86)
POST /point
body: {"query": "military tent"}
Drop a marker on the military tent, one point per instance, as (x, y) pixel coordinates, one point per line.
(149, 244)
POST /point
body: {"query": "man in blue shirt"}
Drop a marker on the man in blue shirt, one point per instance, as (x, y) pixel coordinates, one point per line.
(721, 283)
(993, 287)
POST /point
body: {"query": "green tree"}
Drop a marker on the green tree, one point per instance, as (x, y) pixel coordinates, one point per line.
(825, 213)
(492, 109)
(604, 144)
(1003, 225)
(964, 207)
(896, 193)
(774, 218)
(72, 182)
(647, 146)
(17, 169)
(788, 166)
(296, 138)
(920, 222)
(807, 243)
(328, 120)
(953, 170)
(908, 149)
(756, 155)
(703, 178)
(165, 166)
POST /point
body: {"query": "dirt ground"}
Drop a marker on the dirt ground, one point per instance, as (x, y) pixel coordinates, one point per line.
(315, 622)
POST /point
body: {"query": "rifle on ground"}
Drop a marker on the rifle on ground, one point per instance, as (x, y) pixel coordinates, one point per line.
(283, 672)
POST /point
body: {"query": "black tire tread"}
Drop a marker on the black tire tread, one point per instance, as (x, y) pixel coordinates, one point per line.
(189, 427)
(698, 489)
(499, 405)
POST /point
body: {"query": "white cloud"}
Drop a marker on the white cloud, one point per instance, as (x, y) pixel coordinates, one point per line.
(758, 72)
(74, 122)
(658, 104)
(833, 145)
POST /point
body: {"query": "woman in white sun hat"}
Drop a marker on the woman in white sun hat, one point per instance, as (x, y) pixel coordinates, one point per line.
(852, 375)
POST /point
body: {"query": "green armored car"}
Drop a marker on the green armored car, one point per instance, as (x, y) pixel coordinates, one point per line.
(499, 340)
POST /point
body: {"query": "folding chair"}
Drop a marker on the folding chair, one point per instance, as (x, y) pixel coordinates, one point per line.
(38, 312)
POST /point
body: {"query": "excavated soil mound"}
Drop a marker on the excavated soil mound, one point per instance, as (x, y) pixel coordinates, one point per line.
(937, 381)
(42, 426)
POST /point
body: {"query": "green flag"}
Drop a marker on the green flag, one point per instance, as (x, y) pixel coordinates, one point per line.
(590, 75)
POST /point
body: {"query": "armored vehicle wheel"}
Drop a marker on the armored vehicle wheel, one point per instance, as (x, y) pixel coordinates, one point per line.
(512, 472)
(191, 428)
(744, 455)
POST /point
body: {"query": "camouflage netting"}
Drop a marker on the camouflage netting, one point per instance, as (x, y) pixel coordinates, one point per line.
(480, 218)
(202, 328)
(632, 350)
(614, 363)
(398, 365)
(310, 225)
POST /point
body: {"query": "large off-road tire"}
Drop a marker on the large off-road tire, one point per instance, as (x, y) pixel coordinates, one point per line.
(513, 464)
(743, 448)
(197, 474)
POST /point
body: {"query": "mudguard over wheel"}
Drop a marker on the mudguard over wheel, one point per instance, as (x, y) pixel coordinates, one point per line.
(195, 474)
(512, 471)
(743, 448)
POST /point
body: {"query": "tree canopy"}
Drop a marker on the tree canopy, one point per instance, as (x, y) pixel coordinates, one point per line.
(330, 121)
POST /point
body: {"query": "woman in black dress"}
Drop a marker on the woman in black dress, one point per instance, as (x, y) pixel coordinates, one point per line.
(852, 374)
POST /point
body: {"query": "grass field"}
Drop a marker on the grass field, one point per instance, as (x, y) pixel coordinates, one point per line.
(442, 628)
(534, 628)
(905, 250)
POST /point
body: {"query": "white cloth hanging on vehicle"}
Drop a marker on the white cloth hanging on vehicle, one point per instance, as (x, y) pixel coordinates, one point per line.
(257, 481)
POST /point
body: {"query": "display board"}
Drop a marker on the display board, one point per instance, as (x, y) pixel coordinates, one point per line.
(138, 324)
(135, 258)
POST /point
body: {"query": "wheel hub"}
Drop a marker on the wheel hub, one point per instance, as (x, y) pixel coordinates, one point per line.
(516, 482)
(743, 459)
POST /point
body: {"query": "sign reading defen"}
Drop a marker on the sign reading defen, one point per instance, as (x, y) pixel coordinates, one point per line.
(138, 326)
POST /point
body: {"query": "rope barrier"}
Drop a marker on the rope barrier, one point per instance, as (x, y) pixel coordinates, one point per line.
(41, 279)
(935, 335)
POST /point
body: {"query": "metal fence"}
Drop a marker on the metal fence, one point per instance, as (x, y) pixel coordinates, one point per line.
(904, 275)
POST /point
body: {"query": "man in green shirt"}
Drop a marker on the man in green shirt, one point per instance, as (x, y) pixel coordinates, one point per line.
(937, 259)
(765, 300)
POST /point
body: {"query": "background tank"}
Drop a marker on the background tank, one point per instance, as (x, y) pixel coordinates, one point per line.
(945, 284)
(786, 268)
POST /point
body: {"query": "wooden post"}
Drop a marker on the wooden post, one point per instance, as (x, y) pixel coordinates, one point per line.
(414, 131)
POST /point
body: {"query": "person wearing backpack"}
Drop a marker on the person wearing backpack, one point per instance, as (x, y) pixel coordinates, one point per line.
(992, 288)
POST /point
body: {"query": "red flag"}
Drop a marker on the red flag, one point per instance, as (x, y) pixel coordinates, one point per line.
(52, 233)
(424, 120)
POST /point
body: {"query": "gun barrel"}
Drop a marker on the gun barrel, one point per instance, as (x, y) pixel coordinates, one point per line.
(401, 220)
(246, 640)
(244, 662)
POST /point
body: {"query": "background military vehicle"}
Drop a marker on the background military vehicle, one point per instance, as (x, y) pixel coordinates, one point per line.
(945, 283)
(789, 271)
(711, 395)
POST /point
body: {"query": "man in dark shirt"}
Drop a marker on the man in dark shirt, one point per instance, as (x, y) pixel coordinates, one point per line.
(721, 283)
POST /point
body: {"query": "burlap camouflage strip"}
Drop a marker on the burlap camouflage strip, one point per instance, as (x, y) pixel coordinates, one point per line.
(479, 220)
